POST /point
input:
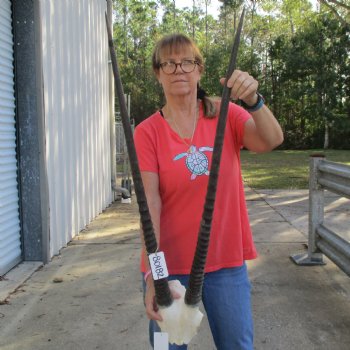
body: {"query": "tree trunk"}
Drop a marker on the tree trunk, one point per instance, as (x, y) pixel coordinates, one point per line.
(326, 135)
(126, 54)
(206, 28)
(193, 18)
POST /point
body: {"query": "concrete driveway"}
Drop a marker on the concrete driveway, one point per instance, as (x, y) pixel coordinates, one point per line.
(90, 296)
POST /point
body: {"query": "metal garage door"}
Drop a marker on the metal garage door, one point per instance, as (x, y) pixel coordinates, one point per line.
(10, 247)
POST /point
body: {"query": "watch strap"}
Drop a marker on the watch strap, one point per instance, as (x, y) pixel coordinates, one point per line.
(259, 103)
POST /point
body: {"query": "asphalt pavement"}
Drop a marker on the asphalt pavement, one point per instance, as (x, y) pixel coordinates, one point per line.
(89, 297)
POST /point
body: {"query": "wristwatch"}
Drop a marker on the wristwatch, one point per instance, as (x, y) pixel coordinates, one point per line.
(259, 103)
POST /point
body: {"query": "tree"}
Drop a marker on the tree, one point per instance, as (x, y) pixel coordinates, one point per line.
(299, 56)
(312, 76)
(341, 9)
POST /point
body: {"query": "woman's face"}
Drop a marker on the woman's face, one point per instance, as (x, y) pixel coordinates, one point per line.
(179, 83)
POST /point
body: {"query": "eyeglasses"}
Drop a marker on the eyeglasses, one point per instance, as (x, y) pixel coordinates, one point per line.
(187, 66)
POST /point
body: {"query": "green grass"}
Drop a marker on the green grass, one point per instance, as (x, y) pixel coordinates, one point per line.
(283, 169)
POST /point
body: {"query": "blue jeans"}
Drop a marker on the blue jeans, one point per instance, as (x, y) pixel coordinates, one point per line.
(226, 300)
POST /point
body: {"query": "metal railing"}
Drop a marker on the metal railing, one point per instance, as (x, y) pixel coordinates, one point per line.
(122, 156)
(334, 177)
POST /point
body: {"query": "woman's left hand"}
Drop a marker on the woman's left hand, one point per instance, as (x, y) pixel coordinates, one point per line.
(244, 87)
(262, 132)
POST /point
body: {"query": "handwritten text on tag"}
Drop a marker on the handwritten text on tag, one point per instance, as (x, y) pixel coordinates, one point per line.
(158, 266)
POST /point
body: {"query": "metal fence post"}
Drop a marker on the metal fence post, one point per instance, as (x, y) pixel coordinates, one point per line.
(316, 216)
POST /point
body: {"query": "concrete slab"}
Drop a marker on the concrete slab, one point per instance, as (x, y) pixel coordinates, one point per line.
(16, 277)
(293, 206)
(90, 296)
(277, 232)
(259, 212)
(298, 307)
(106, 228)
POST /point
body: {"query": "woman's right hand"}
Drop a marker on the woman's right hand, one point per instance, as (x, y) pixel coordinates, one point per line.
(150, 300)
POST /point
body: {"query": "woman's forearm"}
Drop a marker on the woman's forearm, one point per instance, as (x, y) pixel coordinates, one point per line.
(267, 128)
(154, 206)
(151, 185)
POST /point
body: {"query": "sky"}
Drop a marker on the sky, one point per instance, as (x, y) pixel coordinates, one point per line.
(213, 8)
(214, 5)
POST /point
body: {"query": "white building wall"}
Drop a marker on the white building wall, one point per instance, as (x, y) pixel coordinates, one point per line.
(75, 78)
(10, 244)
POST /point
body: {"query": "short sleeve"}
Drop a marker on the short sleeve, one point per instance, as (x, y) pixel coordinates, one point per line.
(146, 148)
(237, 118)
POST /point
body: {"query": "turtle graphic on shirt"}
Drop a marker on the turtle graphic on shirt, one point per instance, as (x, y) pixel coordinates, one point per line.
(196, 161)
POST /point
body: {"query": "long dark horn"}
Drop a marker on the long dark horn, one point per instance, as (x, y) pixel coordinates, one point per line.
(194, 291)
(163, 295)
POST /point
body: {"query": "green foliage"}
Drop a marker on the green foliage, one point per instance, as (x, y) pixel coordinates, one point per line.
(313, 72)
(299, 56)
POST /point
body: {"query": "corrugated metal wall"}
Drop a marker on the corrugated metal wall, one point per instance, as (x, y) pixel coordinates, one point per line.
(75, 75)
(10, 245)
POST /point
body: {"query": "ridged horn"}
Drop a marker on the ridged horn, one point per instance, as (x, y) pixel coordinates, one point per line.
(163, 295)
(194, 291)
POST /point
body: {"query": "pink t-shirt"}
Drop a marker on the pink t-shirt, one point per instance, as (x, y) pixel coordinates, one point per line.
(183, 179)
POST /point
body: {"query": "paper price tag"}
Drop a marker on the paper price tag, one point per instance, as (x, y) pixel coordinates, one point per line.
(158, 266)
(161, 341)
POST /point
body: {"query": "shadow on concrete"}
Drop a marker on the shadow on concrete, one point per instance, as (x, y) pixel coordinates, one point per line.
(90, 296)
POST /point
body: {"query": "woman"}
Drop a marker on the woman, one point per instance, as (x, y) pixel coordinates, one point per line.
(174, 148)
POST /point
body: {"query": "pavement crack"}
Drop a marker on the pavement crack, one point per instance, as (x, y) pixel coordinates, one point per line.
(277, 211)
(263, 199)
